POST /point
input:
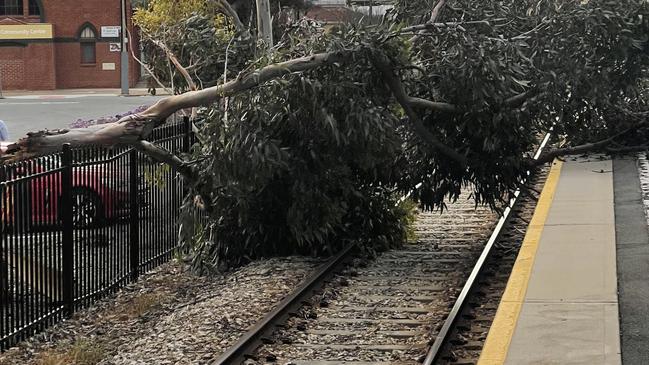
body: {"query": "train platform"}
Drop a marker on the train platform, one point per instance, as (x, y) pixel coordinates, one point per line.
(579, 290)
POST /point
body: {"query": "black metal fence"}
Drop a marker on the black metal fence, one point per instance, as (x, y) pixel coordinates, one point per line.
(79, 224)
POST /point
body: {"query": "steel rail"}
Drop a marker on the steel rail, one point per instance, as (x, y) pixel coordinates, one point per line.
(443, 336)
(252, 339)
(249, 342)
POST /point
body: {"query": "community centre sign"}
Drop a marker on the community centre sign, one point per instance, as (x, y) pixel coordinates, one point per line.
(26, 31)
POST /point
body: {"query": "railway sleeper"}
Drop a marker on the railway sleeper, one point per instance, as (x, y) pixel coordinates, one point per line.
(337, 362)
(398, 321)
(342, 332)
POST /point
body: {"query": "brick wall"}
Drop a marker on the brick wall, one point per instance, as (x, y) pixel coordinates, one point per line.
(70, 72)
(49, 65)
(12, 72)
(30, 67)
(39, 67)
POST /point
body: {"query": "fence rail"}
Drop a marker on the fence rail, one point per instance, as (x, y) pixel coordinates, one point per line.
(78, 225)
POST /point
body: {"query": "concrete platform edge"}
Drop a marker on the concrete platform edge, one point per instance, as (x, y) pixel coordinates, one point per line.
(502, 329)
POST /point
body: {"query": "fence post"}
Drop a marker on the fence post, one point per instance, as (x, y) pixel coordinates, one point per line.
(4, 283)
(187, 134)
(5, 294)
(134, 249)
(68, 237)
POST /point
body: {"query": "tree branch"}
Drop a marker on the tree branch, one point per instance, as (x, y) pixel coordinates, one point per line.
(433, 18)
(437, 11)
(184, 168)
(425, 103)
(628, 149)
(227, 9)
(146, 67)
(382, 63)
(244, 81)
(430, 26)
(587, 147)
(576, 150)
(512, 102)
(133, 128)
(162, 155)
(182, 70)
(174, 60)
(518, 100)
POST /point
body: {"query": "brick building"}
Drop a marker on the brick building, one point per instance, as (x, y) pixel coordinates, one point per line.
(58, 44)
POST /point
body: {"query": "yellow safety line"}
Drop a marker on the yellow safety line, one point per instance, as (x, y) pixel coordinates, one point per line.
(502, 329)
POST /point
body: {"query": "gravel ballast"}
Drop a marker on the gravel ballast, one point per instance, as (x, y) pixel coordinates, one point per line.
(170, 316)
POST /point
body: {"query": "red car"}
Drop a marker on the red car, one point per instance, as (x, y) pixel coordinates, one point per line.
(99, 193)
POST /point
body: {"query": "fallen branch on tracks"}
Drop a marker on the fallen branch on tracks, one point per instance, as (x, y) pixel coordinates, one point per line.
(134, 128)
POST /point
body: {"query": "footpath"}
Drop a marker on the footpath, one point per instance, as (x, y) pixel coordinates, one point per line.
(75, 93)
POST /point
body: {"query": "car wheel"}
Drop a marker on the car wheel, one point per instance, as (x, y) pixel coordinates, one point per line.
(87, 209)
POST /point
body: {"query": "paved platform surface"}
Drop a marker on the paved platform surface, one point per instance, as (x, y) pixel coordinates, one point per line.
(561, 303)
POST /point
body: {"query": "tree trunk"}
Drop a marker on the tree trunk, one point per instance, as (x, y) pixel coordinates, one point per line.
(264, 22)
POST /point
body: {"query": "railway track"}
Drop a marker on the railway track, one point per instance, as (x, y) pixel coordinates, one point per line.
(407, 306)
(384, 311)
(467, 338)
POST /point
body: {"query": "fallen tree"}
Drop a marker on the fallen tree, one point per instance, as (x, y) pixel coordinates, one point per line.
(309, 144)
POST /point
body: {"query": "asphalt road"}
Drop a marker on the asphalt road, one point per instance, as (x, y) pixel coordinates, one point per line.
(27, 113)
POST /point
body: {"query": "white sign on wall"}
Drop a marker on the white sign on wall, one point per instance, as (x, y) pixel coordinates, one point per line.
(114, 47)
(110, 31)
(108, 66)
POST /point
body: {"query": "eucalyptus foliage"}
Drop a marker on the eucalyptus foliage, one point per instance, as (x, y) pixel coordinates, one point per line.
(313, 160)
(298, 166)
(196, 33)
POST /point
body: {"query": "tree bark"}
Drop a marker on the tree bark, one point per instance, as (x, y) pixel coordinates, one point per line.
(431, 26)
(576, 150)
(435, 105)
(437, 11)
(133, 128)
(598, 146)
(264, 22)
(229, 11)
(146, 67)
(179, 67)
(174, 60)
(162, 155)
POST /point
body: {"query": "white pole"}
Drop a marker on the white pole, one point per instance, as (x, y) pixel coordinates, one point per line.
(124, 54)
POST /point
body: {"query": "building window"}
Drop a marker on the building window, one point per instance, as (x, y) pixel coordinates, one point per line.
(87, 40)
(34, 8)
(11, 7)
